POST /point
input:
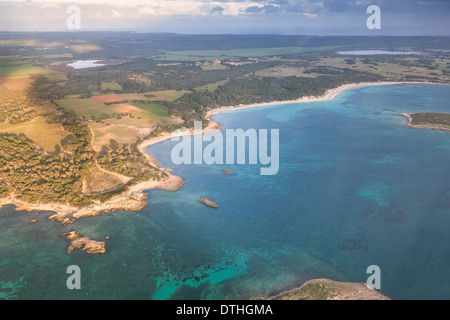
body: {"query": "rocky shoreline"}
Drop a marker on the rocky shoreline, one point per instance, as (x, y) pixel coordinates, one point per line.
(134, 199)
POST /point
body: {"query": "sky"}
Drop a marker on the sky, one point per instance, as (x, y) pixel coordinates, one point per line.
(324, 17)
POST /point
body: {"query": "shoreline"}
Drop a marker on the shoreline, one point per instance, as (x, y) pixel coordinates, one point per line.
(330, 94)
(134, 199)
(421, 126)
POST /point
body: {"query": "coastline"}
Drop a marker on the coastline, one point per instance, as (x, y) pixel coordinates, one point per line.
(329, 95)
(134, 199)
(422, 126)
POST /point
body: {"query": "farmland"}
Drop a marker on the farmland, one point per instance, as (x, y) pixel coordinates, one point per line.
(85, 121)
(86, 108)
(156, 110)
(22, 70)
(196, 55)
(112, 86)
(45, 136)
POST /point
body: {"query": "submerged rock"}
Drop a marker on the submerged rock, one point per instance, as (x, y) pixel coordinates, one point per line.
(209, 202)
(90, 246)
(226, 171)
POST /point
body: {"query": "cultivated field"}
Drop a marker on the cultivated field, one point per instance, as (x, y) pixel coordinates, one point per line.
(164, 95)
(44, 135)
(211, 87)
(113, 86)
(22, 70)
(86, 107)
(226, 54)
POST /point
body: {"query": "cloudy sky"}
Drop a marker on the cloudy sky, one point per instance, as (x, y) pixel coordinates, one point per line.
(324, 17)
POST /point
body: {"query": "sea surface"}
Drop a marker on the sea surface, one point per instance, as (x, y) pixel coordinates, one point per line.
(356, 187)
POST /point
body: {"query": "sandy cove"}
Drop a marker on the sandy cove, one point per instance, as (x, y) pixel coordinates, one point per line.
(329, 95)
(134, 199)
(212, 127)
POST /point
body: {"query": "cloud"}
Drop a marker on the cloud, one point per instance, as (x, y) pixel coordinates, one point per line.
(268, 8)
(217, 10)
(325, 16)
(50, 5)
(116, 14)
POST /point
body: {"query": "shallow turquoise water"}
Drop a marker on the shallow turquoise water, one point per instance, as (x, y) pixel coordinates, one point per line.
(355, 188)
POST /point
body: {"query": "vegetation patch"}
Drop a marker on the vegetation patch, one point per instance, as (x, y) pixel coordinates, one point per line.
(209, 67)
(157, 110)
(22, 70)
(439, 121)
(111, 86)
(163, 95)
(211, 87)
(87, 108)
(46, 136)
(100, 181)
(16, 106)
(220, 54)
(107, 99)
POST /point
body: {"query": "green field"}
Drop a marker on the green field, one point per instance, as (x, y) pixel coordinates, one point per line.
(442, 65)
(213, 67)
(43, 56)
(57, 77)
(91, 109)
(164, 95)
(44, 135)
(86, 108)
(12, 43)
(113, 86)
(211, 87)
(23, 70)
(225, 54)
(157, 110)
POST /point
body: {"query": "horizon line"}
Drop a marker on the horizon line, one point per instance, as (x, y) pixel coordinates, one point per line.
(218, 34)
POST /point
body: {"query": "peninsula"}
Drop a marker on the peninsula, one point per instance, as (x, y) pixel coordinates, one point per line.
(434, 121)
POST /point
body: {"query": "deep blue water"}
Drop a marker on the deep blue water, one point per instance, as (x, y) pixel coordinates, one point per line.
(356, 187)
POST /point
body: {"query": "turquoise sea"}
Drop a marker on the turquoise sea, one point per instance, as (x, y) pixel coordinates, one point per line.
(355, 188)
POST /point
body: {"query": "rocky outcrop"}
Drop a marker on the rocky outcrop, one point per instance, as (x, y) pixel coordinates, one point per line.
(325, 289)
(132, 202)
(89, 246)
(209, 203)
